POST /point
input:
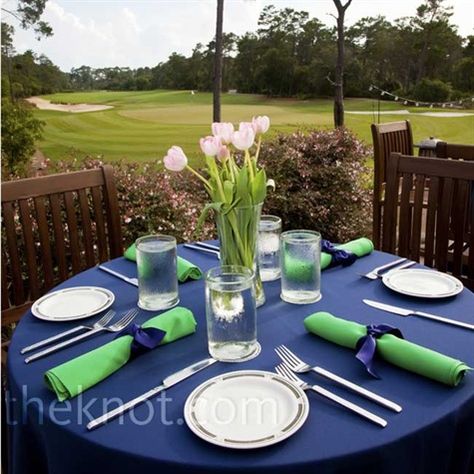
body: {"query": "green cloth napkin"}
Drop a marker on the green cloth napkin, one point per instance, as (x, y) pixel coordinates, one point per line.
(185, 269)
(399, 352)
(360, 247)
(299, 270)
(77, 375)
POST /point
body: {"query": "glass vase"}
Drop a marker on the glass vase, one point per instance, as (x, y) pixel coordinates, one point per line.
(238, 235)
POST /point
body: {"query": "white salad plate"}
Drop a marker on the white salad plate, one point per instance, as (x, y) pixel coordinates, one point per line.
(422, 283)
(70, 304)
(246, 409)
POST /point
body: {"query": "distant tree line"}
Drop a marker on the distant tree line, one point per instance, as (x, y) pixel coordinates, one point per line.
(291, 54)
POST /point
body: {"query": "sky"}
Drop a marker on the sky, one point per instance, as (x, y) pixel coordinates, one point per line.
(134, 33)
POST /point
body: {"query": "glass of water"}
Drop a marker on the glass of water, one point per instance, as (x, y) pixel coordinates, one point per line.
(157, 277)
(231, 313)
(269, 231)
(300, 266)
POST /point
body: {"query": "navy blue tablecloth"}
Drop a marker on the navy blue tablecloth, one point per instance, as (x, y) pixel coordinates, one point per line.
(433, 434)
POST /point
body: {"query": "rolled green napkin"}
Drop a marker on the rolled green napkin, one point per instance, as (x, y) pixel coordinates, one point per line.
(300, 270)
(77, 375)
(397, 351)
(185, 269)
(360, 247)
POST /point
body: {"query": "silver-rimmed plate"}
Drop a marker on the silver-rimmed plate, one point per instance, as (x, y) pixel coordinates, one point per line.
(246, 409)
(74, 303)
(422, 283)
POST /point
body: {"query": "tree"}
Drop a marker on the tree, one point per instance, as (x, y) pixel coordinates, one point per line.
(429, 16)
(82, 78)
(339, 82)
(428, 90)
(28, 13)
(7, 52)
(246, 63)
(217, 86)
(20, 130)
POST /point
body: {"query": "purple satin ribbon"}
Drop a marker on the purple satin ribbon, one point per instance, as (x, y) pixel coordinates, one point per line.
(367, 345)
(339, 256)
(144, 339)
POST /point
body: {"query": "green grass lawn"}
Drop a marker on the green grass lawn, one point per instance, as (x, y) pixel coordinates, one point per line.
(143, 125)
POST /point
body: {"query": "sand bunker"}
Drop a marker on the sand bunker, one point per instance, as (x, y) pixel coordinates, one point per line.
(407, 112)
(44, 104)
(445, 114)
(382, 112)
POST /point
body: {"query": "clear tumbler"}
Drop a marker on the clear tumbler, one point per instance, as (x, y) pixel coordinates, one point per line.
(157, 276)
(231, 313)
(300, 266)
(269, 231)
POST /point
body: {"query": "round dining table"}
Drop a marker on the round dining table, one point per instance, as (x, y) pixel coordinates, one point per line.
(433, 434)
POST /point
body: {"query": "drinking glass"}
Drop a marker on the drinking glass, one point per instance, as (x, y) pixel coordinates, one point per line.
(157, 276)
(269, 231)
(301, 268)
(231, 312)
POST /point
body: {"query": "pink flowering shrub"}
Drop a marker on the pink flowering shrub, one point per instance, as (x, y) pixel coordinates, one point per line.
(152, 200)
(321, 182)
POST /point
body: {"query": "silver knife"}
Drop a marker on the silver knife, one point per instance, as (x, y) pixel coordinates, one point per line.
(207, 246)
(132, 281)
(168, 382)
(408, 312)
(203, 249)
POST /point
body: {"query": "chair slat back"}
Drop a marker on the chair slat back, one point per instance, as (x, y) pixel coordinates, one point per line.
(387, 138)
(54, 227)
(432, 219)
(455, 151)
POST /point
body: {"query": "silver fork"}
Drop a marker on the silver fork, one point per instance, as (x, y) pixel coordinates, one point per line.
(377, 271)
(299, 366)
(285, 372)
(101, 322)
(116, 327)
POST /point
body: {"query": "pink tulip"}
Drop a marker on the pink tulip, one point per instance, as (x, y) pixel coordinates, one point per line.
(223, 130)
(261, 124)
(175, 160)
(223, 153)
(244, 125)
(210, 145)
(244, 138)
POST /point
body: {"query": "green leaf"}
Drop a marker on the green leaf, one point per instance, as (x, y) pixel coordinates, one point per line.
(259, 187)
(229, 191)
(213, 192)
(212, 167)
(234, 204)
(242, 188)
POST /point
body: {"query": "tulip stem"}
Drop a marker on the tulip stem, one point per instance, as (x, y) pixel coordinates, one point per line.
(204, 180)
(257, 153)
(249, 163)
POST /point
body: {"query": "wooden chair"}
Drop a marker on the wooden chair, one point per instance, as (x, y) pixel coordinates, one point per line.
(387, 138)
(54, 227)
(455, 151)
(448, 242)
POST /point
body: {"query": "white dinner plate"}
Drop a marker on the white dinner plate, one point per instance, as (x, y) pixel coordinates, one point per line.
(72, 303)
(246, 409)
(422, 283)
